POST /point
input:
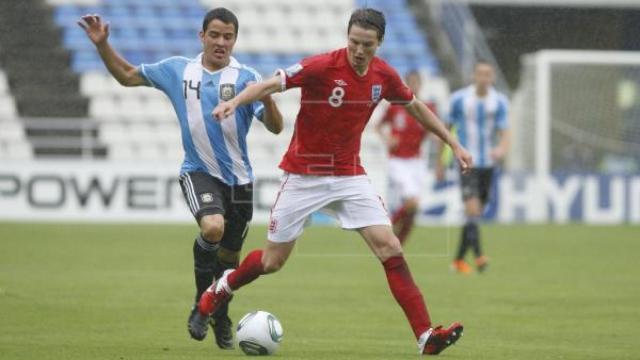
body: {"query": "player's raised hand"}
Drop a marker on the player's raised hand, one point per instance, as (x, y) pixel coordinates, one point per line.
(223, 110)
(464, 158)
(96, 30)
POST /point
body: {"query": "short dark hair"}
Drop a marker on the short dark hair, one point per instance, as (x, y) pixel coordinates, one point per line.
(482, 61)
(223, 14)
(368, 18)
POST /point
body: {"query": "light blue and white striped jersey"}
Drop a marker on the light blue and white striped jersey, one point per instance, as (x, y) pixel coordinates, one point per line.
(477, 121)
(215, 147)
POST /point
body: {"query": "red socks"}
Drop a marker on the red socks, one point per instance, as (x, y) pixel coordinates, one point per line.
(403, 223)
(407, 294)
(399, 215)
(249, 270)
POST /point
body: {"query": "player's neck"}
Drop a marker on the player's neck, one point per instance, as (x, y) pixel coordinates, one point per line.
(482, 91)
(362, 71)
(214, 67)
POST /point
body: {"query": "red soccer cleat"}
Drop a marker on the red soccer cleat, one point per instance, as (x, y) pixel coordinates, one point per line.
(217, 294)
(435, 340)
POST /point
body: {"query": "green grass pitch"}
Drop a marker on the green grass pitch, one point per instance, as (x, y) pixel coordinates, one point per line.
(124, 292)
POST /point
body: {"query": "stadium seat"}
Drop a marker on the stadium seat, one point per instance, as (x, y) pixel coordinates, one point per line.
(11, 130)
(103, 108)
(15, 150)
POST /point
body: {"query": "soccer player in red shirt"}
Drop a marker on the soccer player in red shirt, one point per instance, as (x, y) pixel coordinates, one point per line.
(406, 165)
(322, 169)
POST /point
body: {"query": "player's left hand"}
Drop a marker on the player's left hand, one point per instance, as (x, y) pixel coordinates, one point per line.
(497, 154)
(464, 158)
(224, 110)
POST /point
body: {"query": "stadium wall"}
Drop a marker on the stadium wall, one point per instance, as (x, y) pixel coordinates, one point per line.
(513, 31)
(134, 192)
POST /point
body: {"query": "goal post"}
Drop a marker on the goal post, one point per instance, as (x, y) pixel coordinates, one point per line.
(577, 111)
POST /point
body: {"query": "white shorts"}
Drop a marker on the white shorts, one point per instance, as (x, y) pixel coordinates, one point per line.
(351, 199)
(406, 179)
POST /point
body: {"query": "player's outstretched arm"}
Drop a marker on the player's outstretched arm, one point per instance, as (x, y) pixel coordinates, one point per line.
(430, 121)
(272, 118)
(250, 94)
(121, 69)
(499, 152)
(390, 141)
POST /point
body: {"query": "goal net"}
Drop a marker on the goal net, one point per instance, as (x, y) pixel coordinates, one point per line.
(577, 111)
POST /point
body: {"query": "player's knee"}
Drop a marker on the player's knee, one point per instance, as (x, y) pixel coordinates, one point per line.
(411, 205)
(212, 228)
(389, 248)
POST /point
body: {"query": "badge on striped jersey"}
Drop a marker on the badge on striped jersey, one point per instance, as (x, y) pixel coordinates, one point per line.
(227, 91)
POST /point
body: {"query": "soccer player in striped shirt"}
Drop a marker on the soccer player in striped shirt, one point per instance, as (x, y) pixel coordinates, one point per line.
(322, 169)
(216, 176)
(479, 114)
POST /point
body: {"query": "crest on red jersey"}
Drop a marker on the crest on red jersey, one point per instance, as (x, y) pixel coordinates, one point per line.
(376, 93)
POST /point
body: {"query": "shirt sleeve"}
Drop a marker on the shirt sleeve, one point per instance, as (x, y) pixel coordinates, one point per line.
(302, 73)
(397, 92)
(502, 112)
(160, 75)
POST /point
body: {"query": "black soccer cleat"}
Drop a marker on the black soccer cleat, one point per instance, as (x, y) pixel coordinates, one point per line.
(197, 324)
(221, 326)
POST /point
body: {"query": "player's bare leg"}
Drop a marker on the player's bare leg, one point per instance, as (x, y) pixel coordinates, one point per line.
(403, 218)
(386, 246)
(258, 262)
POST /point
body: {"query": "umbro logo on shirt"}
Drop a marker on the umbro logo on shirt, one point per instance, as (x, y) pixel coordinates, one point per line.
(340, 82)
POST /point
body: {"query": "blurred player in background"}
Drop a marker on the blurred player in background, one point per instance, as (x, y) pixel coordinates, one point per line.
(340, 90)
(479, 115)
(407, 166)
(216, 176)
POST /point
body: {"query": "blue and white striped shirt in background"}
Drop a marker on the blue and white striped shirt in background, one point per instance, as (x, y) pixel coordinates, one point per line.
(215, 147)
(478, 120)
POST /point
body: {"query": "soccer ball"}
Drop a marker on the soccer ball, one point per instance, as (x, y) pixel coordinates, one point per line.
(259, 333)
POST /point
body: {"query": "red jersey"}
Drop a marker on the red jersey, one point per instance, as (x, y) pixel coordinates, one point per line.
(407, 130)
(336, 105)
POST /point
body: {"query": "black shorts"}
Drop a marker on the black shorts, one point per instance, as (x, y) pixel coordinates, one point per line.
(207, 195)
(477, 184)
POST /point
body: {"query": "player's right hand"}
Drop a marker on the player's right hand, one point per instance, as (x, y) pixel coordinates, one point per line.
(96, 30)
(392, 142)
(224, 110)
(464, 158)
